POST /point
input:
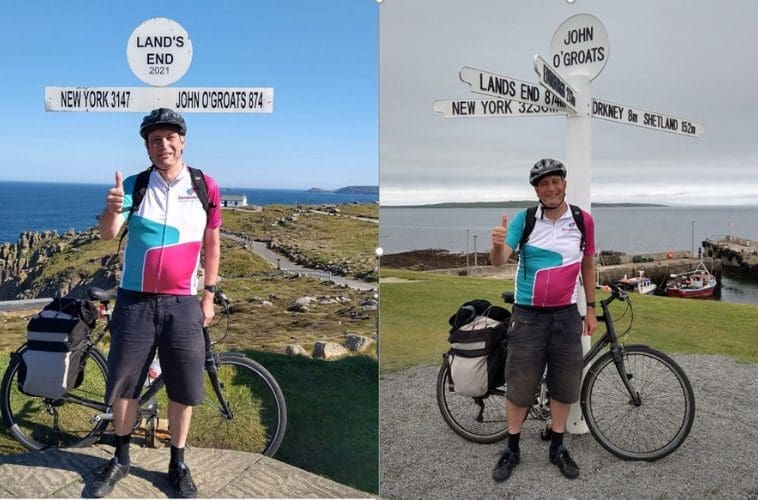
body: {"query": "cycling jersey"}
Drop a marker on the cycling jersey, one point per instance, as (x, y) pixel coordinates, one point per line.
(166, 234)
(550, 262)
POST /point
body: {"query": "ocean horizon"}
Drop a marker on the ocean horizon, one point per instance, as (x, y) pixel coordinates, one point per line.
(57, 206)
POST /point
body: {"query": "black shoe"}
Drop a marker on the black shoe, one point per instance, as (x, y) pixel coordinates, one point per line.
(564, 462)
(508, 460)
(108, 477)
(180, 479)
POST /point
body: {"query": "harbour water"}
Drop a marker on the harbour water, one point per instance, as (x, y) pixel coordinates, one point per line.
(39, 206)
(633, 230)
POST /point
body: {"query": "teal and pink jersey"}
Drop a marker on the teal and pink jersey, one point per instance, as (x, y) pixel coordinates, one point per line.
(166, 232)
(550, 262)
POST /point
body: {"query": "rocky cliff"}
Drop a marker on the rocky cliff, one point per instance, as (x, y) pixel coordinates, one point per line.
(48, 264)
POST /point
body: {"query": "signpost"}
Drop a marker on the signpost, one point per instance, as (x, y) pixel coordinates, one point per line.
(159, 53)
(579, 51)
(185, 100)
(480, 108)
(648, 119)
(506, 87)
(551, 80)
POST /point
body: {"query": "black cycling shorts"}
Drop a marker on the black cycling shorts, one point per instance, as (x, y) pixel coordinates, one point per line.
(539, 338)
(142, 323)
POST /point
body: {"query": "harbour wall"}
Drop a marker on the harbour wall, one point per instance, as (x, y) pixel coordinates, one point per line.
(738, 256)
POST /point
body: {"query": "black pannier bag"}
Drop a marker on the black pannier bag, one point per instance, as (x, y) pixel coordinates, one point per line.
(477, 354)
(55, 342)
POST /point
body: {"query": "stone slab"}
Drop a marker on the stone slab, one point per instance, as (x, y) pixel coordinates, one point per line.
(68, 473)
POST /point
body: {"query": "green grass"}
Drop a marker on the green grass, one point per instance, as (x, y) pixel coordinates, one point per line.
(332, 425)
(333, 416)
(414, 318)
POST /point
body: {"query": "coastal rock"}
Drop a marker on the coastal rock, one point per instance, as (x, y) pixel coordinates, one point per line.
(328, 350)
(296, 350)
(358, 343)
(369, 304)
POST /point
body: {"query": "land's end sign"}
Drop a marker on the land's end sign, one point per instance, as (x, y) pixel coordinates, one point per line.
(159, 51)
(580, 46)
(505, 87)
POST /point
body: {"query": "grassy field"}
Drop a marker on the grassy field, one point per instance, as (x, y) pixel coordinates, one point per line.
(415, 307)
(317, 237)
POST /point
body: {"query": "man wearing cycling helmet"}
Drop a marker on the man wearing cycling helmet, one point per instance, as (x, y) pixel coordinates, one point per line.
(156, 306)
(545, 328)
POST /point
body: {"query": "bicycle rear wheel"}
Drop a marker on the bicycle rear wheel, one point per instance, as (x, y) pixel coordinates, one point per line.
(38, 422)
(655, 427)
(258, 417)
(481, 420)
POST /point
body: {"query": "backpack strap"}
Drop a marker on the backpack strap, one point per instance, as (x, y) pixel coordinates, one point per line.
(138, 194)
(579, 219)
(529, 221)
(201, 188)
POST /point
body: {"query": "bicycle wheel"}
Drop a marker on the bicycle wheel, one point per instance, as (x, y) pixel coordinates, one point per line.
(481, 420)
(258, 416)
(655, 427)
(38, 422)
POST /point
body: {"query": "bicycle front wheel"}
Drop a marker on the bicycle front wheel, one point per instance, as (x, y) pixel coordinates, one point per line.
(257, 417)
(480, 420)
(656, 426)
(38, 422)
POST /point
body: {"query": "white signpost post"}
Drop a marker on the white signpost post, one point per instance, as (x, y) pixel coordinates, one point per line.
(159, 52)
(579, 51)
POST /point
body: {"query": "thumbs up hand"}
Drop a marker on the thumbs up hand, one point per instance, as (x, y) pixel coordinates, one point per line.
(499, 232)
(115, 199)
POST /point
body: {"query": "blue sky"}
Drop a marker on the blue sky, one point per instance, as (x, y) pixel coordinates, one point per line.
(321, 58)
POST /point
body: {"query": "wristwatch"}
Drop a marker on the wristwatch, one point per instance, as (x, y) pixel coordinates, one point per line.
(210, 288)
(589, 304)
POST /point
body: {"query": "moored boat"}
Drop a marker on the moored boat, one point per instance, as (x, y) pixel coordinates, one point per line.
(640, 284)
(696, 283)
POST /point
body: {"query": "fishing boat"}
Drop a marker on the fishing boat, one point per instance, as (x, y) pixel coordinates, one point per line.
(698, 282)
(640, 284)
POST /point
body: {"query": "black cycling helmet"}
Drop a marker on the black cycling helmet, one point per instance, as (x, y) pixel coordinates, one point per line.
(545, 167)
(162, 117)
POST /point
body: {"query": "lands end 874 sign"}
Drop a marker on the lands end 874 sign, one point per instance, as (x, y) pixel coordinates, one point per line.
(159, 51)
(580, 46)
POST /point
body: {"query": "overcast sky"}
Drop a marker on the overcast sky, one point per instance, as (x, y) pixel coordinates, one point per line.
(692, 59)
(319, 57)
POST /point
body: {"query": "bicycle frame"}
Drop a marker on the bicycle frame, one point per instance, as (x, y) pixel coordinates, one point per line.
(610, 338)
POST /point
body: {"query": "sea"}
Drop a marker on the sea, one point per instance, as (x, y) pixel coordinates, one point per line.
(633, 230)
(40, 206)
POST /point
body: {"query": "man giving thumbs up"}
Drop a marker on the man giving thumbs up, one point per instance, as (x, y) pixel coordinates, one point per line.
(157, 308)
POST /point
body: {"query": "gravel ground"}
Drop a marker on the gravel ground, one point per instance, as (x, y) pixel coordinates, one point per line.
(421, 457)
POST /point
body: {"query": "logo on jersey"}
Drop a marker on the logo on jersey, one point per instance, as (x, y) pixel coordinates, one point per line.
(191, 195)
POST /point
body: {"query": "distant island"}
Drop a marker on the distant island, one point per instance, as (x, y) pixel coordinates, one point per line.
(513, 204)
(373, 190)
